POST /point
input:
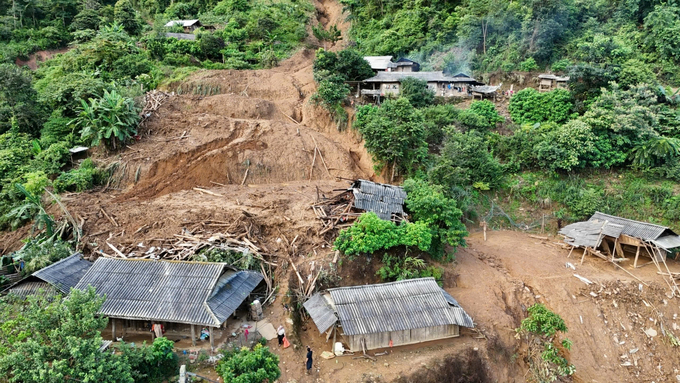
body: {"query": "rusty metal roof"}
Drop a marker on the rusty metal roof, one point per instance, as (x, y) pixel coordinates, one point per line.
(395, 306)
(170, 291)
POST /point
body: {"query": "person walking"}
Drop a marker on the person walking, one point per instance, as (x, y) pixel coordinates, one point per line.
(309, 360)
(280, 333)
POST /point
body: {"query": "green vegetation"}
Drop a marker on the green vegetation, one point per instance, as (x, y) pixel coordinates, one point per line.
(249, 366)
(52, 339)
(540, 329)
(370, 234)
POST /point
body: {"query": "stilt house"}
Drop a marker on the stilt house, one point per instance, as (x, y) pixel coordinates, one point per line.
(140, 293)
(388, 314)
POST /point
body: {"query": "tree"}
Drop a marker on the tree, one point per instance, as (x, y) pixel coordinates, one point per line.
(427, 204)
(258, 365)
(465, 161)
(662, 27)
(18, 101)
(52, 339)
(210, 45)
(124, 14)
(394, 134)
(487, 110)
(112, 118)
(529, 106)
(416, 92)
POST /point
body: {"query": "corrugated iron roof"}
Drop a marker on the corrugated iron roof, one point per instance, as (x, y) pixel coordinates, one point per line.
(590, 233)
(321, 312)
(184, 23)
(65, 273)
(395, 306)
(231, 290)
(667, 242)
(25, 288)
(381, 77)
(380, 62)
(636, 229)
(168, 291)
(181, 36)
(382, 199)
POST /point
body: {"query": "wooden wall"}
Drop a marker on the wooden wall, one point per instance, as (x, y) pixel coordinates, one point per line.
(399, 338)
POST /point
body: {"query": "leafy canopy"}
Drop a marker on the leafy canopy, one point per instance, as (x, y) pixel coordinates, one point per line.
(249, 366)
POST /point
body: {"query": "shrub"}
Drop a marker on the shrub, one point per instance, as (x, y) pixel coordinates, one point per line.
(416, 92)
(561, 65)
(210, 46)
(246, 366)
(428, 205)
(530, 106)
(486, 110)
(528, 65)
(396, 268)
(112, 118)
(436, 118)
(544, 325)
(78, 180)
(370, 234)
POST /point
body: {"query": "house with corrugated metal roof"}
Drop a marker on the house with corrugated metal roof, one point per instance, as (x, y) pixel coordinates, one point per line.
(57, 278)
(443, 85)
(141, 293)
(388, 314)
(616, 236)
(188, 25)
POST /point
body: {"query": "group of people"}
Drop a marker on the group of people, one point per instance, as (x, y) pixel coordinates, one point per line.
(283, 342)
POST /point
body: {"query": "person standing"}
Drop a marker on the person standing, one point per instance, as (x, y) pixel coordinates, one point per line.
(280, 333)
(309, 360)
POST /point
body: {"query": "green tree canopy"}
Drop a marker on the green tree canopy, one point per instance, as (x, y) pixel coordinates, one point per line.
(249, 366)
(394, 134)
(18, 101)
(416, 92)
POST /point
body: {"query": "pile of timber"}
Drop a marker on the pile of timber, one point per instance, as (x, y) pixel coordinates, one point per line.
(152, 101)
(336, 212)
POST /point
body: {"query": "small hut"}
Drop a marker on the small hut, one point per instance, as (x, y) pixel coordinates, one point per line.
(188, 25)
(548, 82)
(388, 314)
(484, 91)
(406, 65)
(380, 63)
(140, 293)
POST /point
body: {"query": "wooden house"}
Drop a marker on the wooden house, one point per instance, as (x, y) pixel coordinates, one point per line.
(406, 65)
(388, 314)
(548, 82)
(141, 293)
(188, 25)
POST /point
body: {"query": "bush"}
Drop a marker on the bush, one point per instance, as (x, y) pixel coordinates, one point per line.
(397, 268)
(38, 253)
(370, 234)
(428, 205)
(416, 92)
(530, 106)
(78, 180)
(528, 65)
(246, 366)
(152, 364)
(436, 118)
(486, 110)
(210, 46)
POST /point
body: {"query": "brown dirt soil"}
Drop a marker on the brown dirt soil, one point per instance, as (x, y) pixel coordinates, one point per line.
(36, 58)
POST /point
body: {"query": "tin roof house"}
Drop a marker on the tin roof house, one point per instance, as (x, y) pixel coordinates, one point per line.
(388, 314)
(389, 83)
(187, 25)
(172, 293)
